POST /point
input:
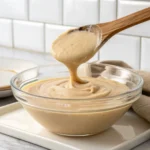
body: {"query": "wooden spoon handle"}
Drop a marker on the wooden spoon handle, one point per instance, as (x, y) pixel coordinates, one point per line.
(111, 28)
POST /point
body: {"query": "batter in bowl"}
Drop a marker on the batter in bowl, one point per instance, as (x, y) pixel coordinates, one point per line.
(60, 88)
(73, 49)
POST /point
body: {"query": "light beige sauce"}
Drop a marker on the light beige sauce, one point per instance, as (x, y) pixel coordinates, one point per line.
(73, 49)
(60, 88)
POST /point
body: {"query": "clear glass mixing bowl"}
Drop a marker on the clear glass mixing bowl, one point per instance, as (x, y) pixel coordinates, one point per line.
(77, 117)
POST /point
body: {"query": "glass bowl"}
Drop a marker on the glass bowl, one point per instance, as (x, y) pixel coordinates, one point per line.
(77, 117)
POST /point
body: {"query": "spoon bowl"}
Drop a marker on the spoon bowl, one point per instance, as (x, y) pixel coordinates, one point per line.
(105, 31)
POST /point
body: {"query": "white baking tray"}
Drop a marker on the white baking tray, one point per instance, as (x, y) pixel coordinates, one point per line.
(127, 133)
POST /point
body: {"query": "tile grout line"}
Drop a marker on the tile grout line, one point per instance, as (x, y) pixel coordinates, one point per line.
(12, 28)
(124, 34)
(44, 41)
(34, 21)
(99, 3)
(117, 3)
(28, 9)
(13, 38)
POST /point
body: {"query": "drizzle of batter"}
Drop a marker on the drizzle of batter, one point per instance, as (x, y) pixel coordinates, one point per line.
(73, 49)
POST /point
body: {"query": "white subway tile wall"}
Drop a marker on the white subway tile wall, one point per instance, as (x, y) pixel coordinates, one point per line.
(6, 32)
(15, 9)
(131, 6)
(30, 26)
(29, 35)
(80, 12)
(49, 11)
(121, 47)
(108, 10)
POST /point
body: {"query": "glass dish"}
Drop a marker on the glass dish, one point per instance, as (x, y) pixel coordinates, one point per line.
(77, 117)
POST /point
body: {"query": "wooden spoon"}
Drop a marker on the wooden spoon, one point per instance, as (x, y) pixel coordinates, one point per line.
(106, 30)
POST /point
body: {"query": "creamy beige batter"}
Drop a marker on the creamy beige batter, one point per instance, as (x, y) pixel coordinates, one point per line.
(60, 88)
(73, 49)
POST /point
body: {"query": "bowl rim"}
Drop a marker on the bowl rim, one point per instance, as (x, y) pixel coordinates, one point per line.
(140, 84)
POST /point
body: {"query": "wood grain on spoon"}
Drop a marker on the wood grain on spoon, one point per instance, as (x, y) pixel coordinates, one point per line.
(111, 28)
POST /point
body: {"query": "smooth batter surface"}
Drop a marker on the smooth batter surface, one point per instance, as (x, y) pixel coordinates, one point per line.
(60, 88)
(73, 49)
